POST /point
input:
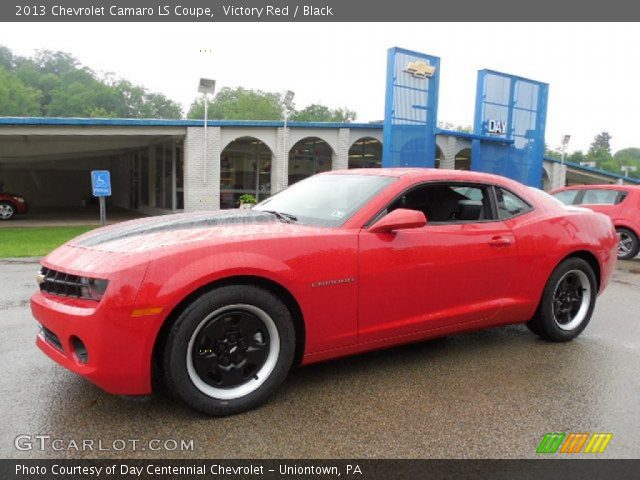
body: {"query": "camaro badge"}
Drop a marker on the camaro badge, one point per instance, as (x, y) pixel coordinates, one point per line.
(329, 283)
(420, 69)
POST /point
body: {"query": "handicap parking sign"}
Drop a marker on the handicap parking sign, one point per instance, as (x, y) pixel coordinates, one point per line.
(101, 183)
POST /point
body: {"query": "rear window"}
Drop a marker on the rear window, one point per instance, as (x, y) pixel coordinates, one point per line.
(568, 197)
(601, 197)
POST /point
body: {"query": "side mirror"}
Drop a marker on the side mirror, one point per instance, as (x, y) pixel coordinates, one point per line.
(399, 219)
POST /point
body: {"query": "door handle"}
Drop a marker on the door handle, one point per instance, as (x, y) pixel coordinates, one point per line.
(499, 241)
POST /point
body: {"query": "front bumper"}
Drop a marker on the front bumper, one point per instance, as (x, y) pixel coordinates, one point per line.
(118, 347)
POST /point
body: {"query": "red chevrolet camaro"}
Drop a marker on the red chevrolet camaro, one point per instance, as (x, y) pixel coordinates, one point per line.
(220, 305)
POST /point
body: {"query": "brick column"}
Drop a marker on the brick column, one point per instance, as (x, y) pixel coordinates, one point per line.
(202, 189)
(341, 159)
(280, 165)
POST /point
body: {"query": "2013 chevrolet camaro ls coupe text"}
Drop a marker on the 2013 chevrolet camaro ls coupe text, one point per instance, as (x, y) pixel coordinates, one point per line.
(220, 305)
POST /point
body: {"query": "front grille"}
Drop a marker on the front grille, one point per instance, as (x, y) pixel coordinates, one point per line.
(60, 283)
(51, 338)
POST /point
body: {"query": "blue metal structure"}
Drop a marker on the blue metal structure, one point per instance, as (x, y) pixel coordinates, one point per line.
(514, 109)
(411, 109)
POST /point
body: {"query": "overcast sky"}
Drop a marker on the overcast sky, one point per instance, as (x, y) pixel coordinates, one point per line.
(593, 69)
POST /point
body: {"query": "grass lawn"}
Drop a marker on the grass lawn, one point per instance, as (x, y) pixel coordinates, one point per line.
(36, 241)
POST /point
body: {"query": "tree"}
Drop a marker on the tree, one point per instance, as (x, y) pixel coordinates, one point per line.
(628, 157)
(321, 113)
(239, 104)
(6, 58)
(17, 99)
(66, 88)
(243, 104)
(454, 127)
(600, 149)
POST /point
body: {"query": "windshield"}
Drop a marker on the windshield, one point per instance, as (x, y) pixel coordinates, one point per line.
(326, 200)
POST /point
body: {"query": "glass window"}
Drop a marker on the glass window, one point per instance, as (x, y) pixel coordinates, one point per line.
(600, 197)
(450, 203)
(144, 177)
(326, 200)
(365, 153)
(245, 168)
(568, 197)
(159, 177)
(179, 178)
(307, 157)
(509, 204)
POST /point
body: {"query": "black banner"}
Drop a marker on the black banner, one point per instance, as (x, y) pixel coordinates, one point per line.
(316, 11)
(318, 469)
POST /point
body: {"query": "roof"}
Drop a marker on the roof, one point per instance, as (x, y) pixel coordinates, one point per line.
(156, 122)
(433, 173)
(598, 171)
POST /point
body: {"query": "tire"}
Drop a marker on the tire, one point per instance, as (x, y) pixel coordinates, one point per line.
(7, 211)
(628, 244)
(567, 302)
(229, 350)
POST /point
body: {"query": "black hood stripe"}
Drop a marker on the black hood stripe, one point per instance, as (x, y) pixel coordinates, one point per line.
(181, 221)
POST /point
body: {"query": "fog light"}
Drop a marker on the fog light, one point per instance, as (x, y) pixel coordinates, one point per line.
(79, 350)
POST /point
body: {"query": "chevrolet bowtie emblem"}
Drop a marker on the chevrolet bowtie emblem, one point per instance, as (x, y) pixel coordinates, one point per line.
(420, 69)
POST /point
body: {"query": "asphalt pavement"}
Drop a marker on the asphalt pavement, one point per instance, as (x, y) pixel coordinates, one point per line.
(489, 394)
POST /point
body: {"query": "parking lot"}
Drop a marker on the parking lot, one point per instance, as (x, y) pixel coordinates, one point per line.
(488, 394)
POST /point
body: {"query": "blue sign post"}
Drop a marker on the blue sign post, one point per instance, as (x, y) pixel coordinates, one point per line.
(101, 186)
(514, 109)
(411, 109)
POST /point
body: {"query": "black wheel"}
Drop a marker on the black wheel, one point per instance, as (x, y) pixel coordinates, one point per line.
(628, 244)
(7, 211)
(567, 302)
(229, 350)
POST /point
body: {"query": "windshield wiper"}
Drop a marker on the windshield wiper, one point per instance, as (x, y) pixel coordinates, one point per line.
(285, 217)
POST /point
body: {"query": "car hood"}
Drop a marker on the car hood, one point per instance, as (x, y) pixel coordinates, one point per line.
(172, 230)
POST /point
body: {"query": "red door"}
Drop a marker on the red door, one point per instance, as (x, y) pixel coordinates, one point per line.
(425, 278)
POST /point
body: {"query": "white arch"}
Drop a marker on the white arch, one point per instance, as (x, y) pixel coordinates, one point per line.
(296, 135)
(266, 136)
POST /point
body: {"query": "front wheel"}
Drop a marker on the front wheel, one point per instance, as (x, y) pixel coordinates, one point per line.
(567, 302)
(229, 350)
(628, 244)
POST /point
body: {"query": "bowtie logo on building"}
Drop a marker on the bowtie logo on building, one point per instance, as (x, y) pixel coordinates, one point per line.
(557, 442)
(420, 69)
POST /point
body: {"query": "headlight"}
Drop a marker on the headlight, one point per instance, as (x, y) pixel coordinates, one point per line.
(19, 199)
(64, 284)
(92, 288)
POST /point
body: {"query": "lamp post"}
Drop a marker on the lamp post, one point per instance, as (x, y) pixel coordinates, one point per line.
(628, 168)
(206, 86)
(287, 104)
(563, 150)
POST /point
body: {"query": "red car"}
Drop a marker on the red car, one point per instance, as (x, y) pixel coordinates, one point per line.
(621, 203)
(220, 305)
(11, 204)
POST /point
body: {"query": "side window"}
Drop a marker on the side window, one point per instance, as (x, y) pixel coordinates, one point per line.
(600, 197)
(509, 204)
(448, 203)
(568, 197)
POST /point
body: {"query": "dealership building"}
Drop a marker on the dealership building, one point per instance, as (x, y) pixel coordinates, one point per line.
(159, 166)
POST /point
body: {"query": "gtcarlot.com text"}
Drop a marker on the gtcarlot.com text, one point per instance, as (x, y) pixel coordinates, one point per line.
(44, 442)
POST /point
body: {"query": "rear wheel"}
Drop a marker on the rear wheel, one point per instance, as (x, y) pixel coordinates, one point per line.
(7, 211)
(628, 244)
(567, 302)
(229, 350)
